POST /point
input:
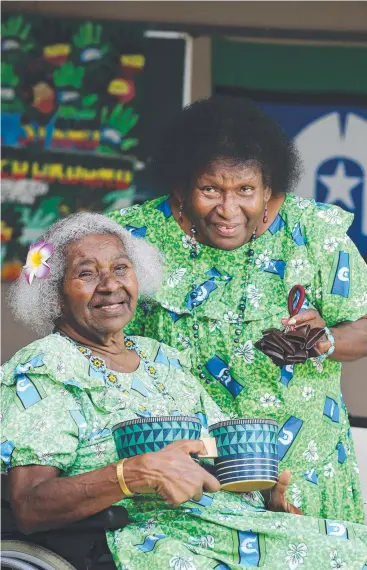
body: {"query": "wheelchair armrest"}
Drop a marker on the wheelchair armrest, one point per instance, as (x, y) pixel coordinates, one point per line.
(110, 519)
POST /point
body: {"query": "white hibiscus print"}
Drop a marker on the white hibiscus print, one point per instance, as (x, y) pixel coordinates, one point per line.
(120, 404)
(44, 458)
(317, 363)
(296, 495)
(203, 541)
(254, 296)
(231, 318)
(296, 554)
(268, 400)
(331, 216)
(308, 393)
(336, 561)
(176, 277)
(100, 450)
(184, 340)
(318, 293)
(263, 259)
(125, 211)
(60, 367)
(361, 301)
(301, 202)
(160, 409)
(299, 264)
(329, 470)
(189, 242)
(311, 452)
(345, 239)
(43, 424)
(331, 244)
(172, 308)
(245, 351)
(182, 563)
(215, 326)
(355, 467)
(279, 525)
(254, 497)
(149, 525)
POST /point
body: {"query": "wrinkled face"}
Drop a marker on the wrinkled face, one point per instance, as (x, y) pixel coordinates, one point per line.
(100, 287)
(227, 203)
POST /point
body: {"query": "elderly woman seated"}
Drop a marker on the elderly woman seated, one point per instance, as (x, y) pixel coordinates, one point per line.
(63, 394)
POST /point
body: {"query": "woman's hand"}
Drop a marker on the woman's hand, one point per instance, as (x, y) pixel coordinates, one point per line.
(171, 473)
(278, 502)
(314, 319)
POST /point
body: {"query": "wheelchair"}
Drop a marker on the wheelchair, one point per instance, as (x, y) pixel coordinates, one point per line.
(77, 546)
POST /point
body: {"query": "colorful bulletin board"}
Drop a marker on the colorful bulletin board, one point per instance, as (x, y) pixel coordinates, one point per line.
(70, 134)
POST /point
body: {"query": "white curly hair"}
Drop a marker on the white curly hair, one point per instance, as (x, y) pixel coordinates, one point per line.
(39, 305)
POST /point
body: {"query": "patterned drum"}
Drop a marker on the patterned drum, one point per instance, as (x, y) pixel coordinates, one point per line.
(143, 435)
(247, 454)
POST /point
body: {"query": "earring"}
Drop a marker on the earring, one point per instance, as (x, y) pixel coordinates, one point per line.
(251, 252)
(265, 218)
(180, 216)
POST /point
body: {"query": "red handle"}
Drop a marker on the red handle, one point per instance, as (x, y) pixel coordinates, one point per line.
(294, 310)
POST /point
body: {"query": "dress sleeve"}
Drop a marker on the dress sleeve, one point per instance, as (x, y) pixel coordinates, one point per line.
(340, 280)
(40, 420)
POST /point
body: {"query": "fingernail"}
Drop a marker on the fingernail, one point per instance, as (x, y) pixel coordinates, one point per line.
(292, 321)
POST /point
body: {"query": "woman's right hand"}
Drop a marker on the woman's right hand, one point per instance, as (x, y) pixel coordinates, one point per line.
(171, 473)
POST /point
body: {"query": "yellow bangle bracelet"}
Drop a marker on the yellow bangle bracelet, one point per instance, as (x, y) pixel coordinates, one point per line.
(121, 480)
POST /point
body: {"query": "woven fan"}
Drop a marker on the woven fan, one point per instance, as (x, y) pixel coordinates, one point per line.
(293, 345)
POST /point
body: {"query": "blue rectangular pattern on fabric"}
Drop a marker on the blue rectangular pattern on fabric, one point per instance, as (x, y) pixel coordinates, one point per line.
(27, 391)
(341, 283)
(287, 435)
(249, 548)
(335, 528)
(219, 369)
(331, 410)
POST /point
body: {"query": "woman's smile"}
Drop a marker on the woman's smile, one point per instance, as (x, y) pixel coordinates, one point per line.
(226, 229)
(108, 308)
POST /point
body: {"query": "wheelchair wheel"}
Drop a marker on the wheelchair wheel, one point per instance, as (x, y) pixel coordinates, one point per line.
(18, 555)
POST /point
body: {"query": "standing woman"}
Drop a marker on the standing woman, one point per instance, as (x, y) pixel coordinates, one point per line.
(235, 242)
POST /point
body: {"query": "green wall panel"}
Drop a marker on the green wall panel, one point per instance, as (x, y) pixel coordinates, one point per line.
(286, 67)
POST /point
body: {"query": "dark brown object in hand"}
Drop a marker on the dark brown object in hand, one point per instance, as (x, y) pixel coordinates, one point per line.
(292, 347)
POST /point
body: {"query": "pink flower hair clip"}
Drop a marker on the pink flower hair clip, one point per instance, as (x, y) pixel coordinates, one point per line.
(37, 257)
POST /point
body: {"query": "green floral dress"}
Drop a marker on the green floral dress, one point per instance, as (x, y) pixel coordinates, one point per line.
(198, 309)
(59, 405)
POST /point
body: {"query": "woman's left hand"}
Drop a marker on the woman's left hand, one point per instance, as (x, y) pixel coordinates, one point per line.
(314, 319)
(278, 503)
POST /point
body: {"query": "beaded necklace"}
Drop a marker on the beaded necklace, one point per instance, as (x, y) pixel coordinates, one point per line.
(194, 252)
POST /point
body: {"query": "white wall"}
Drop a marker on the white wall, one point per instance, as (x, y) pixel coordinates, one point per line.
(360, 442)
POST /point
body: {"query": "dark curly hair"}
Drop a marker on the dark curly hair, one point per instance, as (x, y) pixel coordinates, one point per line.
(224, 128)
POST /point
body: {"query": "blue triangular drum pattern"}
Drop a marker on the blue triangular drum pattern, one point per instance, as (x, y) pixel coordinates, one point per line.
(143, 435)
